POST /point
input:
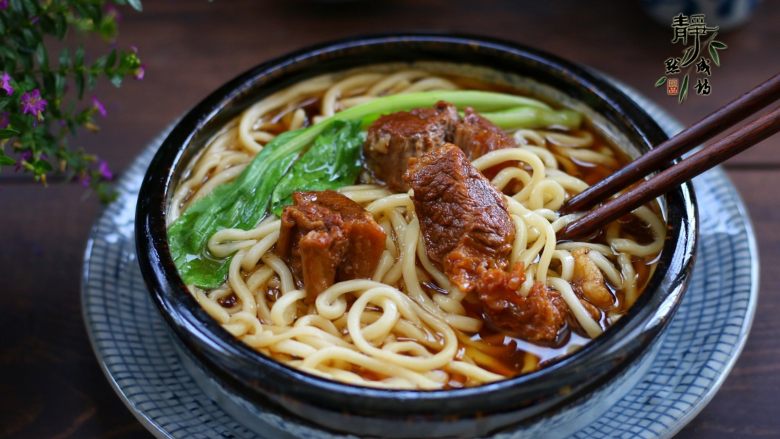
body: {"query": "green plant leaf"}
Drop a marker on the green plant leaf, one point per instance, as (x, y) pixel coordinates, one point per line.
(60, 26)
(41, 56)
(26, 61)
(7, 133)
(29, 38)
(719, 45)
(661, 81)
(64, 58)
(683, 90)
(108, 28)
(49, 82)
(79, 79)
(47, 24)
(78, 58)
(105, 191)
(59, 84)
(110, 60)
(41, 167)
(100, 64)
(91, 81)
(31, 7)
(714, 55)
(8, 55)
(136, 4)
(5, 160)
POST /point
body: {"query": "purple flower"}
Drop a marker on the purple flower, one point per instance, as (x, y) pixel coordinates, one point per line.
(34, 20)
(99, 106)
(23, 157)
(140, 72)
(33, 103)
(4, 120)
(84, 179)
(3, 4)
(5, 80)
(105, 171)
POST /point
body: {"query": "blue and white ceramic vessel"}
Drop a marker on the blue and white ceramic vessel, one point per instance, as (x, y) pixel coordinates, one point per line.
(175, 394)
(726, 14)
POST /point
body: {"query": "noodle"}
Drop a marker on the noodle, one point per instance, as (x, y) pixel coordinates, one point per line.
(407, 326)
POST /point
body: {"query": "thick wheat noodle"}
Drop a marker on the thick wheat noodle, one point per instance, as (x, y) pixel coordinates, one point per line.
(407, 336)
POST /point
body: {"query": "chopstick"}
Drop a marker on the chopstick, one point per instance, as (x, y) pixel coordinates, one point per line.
(709, 156)
(715, 123)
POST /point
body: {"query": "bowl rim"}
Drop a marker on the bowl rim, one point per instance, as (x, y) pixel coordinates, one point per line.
(203, 335)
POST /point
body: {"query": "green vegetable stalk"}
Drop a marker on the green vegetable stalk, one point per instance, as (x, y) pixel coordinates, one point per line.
(532, 117)
(331, 161)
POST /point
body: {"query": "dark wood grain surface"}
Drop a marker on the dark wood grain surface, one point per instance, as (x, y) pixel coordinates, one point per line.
(50, 383)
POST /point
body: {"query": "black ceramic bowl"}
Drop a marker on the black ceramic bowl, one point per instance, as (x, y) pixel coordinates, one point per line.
(366, 411)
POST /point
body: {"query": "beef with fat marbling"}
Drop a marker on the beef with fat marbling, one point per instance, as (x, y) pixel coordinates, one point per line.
(326, 237)
(477, 136)
(463, 218)
(469, 234)
(395, 138)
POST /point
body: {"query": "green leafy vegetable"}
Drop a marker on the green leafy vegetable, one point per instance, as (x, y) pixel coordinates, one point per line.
(240, 203)
(332, 162)
(205, 271)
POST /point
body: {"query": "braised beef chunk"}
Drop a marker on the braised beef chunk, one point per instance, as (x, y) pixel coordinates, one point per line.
(326, 237)
(477, 136)
(463, 218)
(468, 233)
(394, 138)
(537, 317)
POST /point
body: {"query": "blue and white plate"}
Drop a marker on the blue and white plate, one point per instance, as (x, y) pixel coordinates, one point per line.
(702, 343)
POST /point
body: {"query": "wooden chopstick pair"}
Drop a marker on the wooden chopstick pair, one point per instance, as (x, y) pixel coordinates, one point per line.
(658, 158)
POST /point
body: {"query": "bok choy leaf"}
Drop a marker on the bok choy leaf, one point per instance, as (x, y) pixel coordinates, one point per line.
(240, 203)
(332, 162)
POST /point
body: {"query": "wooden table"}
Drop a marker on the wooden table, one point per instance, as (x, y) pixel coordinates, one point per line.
(50, 383)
